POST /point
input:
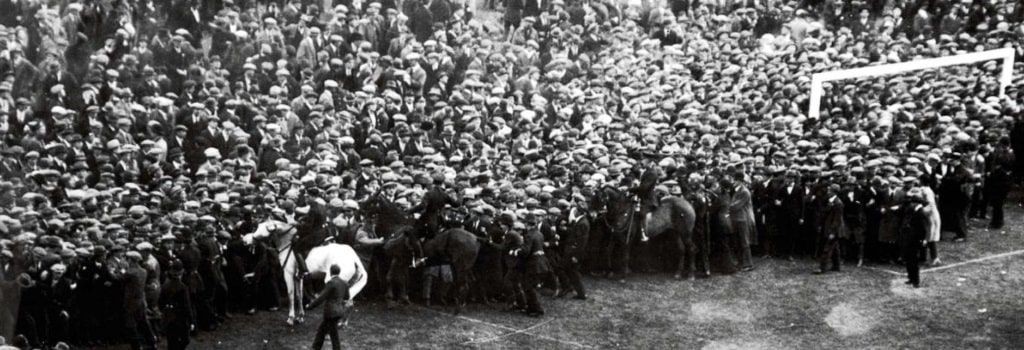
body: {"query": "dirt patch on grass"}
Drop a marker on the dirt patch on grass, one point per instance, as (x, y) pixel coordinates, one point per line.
(849, 321)
(718, 311)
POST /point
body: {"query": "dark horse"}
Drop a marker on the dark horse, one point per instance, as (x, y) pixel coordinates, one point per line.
(673, 219)
(454, 246)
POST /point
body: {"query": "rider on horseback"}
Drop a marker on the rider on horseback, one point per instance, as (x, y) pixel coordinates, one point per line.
(310, 232)
(648, 199)
(431, 212)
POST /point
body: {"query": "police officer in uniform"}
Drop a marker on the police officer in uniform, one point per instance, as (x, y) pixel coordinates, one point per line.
(645, 192)
(575, 233)
(535, 265)
(176, 306)
(429, 222)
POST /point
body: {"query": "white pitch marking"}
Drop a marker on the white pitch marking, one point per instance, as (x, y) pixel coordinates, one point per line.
(524, 330)
(943, 267)
(984, 258)
(507, 328)
(891, 272)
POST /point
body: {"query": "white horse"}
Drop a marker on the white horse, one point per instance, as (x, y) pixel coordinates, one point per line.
(319, 260)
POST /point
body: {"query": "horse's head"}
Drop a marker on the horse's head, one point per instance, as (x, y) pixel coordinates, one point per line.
(615, 205)
(264, 231)
(371, 205)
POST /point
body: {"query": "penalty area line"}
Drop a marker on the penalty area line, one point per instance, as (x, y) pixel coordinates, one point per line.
(972, 261)
(950, 266)
(888, 271)
(512, 330)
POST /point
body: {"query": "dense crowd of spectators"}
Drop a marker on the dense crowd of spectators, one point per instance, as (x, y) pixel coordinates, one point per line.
(139, 133)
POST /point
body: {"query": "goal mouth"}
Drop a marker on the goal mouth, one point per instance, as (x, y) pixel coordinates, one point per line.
(817, 80)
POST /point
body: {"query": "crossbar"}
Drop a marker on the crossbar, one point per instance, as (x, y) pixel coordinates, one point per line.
(1005, 54)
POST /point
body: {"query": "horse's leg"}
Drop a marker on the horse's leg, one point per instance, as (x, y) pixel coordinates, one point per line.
(389, 282)
(690, 257)
(289, 283)
(610, 258)
(622, 266)
(627, 257)
(705, 251)
(681, 246)
(401, 281)
(297, 303)
(458, 279)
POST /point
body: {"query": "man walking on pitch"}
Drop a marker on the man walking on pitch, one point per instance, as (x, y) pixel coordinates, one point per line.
(335, 299)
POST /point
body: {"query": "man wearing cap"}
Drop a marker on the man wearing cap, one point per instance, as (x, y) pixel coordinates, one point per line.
(336, 300)
(832, 231)
(190, 17)
(18, 117)
(214, 137)
(191, 117)
(59, 289)
(741, 213)
(891, 198)
(854, 215)
(913, 232)
(92, 275)
(998, 180)
(788, 201)
(421, 21)
(191, 258)
(214, 283)
(177, 309)
(551, 227)
(954, 198)
(137, 325)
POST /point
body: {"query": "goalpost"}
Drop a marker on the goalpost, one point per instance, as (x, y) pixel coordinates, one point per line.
(1005, 54)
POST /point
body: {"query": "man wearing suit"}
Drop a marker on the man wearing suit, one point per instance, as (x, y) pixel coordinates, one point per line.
(891, 198)
(336, 299)
(953, 198)
(854, 215)
(912, 233)
(862, 26)
(533, 8)
(831, 230)
(19, 116)
(190, 18)
(213, 136)
(998, 181)
(134, 280)
(741, 212)
(789, 201)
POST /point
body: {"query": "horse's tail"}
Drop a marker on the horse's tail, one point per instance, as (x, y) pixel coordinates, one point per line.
(360, 275)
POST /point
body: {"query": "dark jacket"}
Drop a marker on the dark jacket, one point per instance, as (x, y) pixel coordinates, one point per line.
(333, 297)
(575, 237)
(533, 253)
(832, 225)
(913, 226)
(176, 307)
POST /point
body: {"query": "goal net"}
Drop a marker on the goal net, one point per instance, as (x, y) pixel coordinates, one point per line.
(1005, 78)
